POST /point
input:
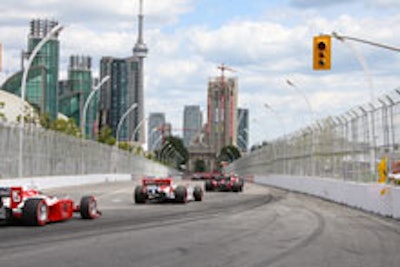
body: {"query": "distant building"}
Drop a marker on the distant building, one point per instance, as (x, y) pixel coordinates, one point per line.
(74, 91)
(155, 131)
(221, 127)
(118, 94)
(124, 88)
(222, 113)
(243, 129)
(192, 123)
(42, 80)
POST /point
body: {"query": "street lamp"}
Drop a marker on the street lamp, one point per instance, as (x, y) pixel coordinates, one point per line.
(267, 106)
(134, 105)
(284, 133)
(137, 128)
(54, 31)
(83, 118)
(312, 118)
(303, 95)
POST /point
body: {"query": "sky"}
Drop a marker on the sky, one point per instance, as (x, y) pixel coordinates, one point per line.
(266, 42)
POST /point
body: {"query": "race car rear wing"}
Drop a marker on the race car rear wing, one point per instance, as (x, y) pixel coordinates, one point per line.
(14, 193)
(157, 181)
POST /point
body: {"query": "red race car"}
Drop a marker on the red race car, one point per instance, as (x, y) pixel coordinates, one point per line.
(225, 183)
(164, 190)
(34, 208)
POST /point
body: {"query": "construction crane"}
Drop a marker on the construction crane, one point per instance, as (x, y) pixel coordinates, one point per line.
(223, 68)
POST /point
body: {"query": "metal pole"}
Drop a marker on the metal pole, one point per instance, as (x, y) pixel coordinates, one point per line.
(342, 38)
(83, 118)
(137, 128)
(32, 56)
(134, 105)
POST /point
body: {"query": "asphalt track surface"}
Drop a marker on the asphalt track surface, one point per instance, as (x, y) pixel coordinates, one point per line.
(260, 227)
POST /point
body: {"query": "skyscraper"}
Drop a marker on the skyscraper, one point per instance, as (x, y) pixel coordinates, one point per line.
(74, 91)
(124, 88)
(155, 131)
(192, 123)
(222, 113)
(42, 81)
(243, 129)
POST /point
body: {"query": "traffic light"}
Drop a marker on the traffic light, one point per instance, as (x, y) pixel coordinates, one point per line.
(322, 52)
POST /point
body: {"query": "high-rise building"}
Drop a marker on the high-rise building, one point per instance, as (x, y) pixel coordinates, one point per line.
(42, 80)
(155, 131)
(124, 89)
(118, 94)
(222, 113)
(243, 129)
(74, 91)
(192, 123)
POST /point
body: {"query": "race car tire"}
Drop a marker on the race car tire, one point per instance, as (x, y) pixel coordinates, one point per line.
(236, 187)
(180, 194)
(197, 193)
(35, 212)
(88, 208)
(208, 186)
(139, 196)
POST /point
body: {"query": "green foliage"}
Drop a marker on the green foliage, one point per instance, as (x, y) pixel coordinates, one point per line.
(138, 150)
(173, 151)
(105, 136)
(125, 146)
(229, 153)
(2, 115)
(68, 127)
(45, 121)
(199, 165)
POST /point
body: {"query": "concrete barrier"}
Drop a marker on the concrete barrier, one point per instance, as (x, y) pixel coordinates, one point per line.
(382, 199)
(61, 181)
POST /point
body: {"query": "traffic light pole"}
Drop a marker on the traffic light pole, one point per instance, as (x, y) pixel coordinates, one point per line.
(342, 38)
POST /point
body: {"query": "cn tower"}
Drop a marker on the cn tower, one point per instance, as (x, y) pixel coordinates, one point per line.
(140, 52)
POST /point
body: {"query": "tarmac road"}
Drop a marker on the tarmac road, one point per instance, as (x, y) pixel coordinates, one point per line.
(260, 227)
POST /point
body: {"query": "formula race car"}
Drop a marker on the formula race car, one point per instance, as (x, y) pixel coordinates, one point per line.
(164, 190)
(31, 207)
(225, 183)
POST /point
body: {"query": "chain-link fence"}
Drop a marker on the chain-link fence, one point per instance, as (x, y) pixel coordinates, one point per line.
(348, 146)
(47, 153)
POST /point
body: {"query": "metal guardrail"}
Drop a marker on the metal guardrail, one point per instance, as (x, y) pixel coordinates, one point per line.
(48, 153)
(348, 146)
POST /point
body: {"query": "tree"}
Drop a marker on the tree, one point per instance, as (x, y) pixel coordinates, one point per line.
(199, 165)
(179, 153)
(229, 153)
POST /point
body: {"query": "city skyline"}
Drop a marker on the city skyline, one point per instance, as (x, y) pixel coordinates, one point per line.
(267, 42)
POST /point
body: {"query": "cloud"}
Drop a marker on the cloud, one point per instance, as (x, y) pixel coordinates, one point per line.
(317, 3)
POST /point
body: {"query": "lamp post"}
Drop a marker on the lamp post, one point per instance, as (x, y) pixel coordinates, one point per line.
(284, 133)
(134, 105)
(312, 118)
(83, 118)
(137, 128)
(54, 31)
(304, 96)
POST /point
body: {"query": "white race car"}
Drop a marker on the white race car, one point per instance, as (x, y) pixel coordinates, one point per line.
(163, 189)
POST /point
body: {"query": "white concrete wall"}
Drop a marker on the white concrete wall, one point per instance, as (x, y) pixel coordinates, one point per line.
(61, 181)
(365, 196)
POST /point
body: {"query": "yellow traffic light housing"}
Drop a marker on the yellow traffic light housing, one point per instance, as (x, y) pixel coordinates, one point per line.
(322, 52)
